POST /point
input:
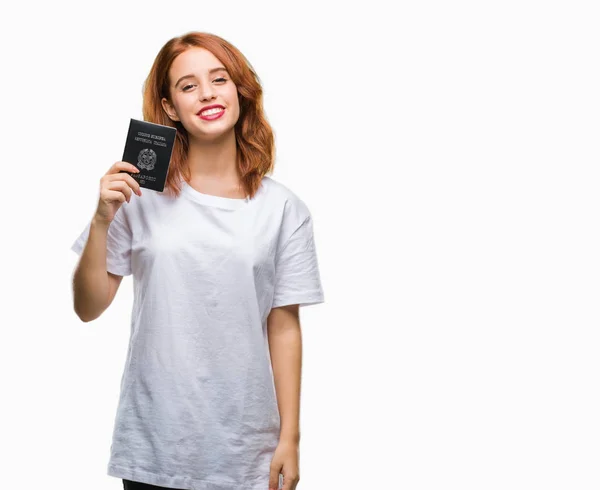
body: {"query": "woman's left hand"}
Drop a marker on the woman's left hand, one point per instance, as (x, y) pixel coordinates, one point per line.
(285, 461)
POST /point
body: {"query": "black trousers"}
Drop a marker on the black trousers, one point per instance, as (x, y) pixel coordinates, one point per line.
(136, 485)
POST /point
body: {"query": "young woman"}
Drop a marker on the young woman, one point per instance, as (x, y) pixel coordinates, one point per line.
(221, 261)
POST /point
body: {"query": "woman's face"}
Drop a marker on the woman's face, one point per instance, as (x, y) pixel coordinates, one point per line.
(193, 87)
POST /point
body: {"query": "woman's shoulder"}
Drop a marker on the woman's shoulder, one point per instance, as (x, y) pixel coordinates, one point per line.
(282, 197)
(282, 193)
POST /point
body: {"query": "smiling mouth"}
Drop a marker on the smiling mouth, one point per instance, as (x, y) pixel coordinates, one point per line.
(208, 116)
(211, 112)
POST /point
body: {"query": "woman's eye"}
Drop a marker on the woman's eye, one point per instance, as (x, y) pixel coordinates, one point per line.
(216, 80)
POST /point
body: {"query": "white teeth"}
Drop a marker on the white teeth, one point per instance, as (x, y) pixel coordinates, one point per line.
(211, 111)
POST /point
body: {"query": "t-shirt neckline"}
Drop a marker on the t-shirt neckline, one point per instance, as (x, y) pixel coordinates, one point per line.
(212, 200)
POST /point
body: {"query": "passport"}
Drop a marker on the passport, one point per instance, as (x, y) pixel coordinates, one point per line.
(149, 147)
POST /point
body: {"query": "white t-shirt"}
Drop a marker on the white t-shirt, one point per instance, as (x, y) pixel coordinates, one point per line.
(197, 408)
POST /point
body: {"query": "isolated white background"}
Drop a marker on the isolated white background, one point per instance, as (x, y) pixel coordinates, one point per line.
(448, 152)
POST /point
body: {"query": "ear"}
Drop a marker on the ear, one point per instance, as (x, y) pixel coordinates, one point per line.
(169, 109)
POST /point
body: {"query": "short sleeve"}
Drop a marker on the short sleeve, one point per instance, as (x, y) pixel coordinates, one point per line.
(118, 244)
(297, 278)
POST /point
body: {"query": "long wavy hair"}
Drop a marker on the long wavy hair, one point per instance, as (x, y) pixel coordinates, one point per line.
(253, 134)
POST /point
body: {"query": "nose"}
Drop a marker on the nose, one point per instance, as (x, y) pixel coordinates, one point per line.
(207, 93)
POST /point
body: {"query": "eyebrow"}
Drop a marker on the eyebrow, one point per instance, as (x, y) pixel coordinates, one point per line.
(212, 70)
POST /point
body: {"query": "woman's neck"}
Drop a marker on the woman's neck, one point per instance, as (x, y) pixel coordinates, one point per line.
(214, 160)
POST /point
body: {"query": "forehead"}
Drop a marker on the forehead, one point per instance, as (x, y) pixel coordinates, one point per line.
(194, 60)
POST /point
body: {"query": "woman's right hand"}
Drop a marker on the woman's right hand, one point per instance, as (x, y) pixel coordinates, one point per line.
(116, 187)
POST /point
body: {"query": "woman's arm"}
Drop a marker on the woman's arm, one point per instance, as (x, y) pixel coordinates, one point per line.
(93, 287)
(285, 346)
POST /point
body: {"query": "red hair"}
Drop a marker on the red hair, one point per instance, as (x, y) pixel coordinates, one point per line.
(253, 134)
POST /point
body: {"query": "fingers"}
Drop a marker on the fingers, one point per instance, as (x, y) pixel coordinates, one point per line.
(290, 483)
(112, 196)
(127, 179)
(122, 166)
(119, 172)
(274, 478)
(118, 186)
